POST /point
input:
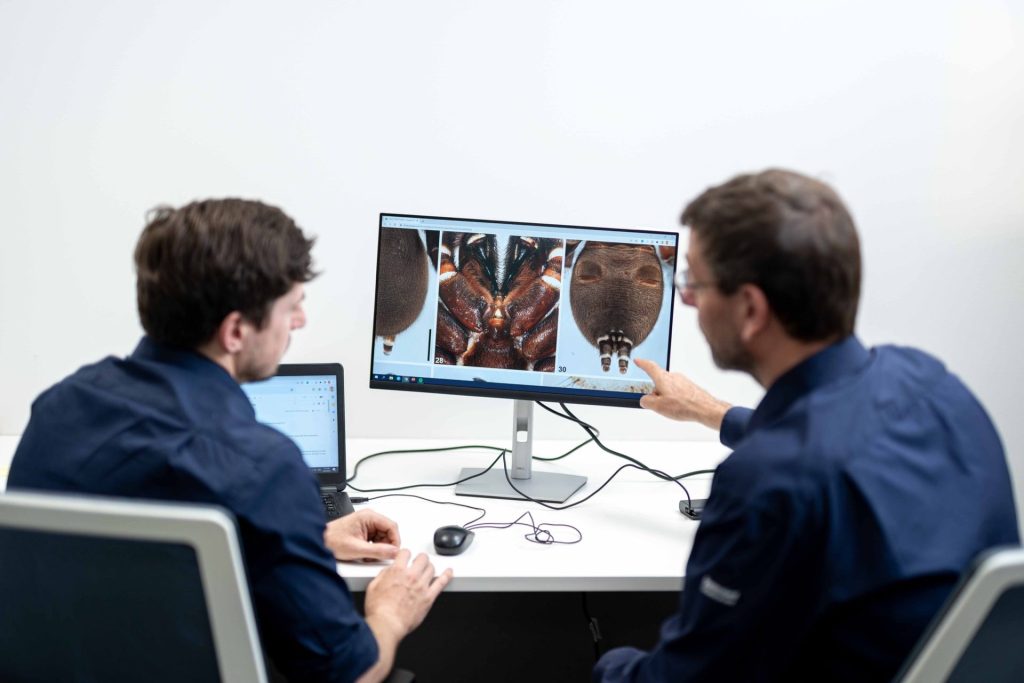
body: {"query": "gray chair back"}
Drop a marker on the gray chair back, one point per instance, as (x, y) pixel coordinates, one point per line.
(100, 589)
(979, 634)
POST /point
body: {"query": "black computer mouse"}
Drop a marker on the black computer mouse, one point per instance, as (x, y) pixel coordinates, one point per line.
(452, 540)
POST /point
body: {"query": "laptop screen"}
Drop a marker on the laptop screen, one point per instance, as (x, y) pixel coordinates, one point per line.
(304, 403)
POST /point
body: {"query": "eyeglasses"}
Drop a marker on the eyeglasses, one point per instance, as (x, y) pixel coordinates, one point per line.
(685, 283)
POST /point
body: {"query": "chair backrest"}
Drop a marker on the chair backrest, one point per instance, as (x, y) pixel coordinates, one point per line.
(979, 634)
(98, 589)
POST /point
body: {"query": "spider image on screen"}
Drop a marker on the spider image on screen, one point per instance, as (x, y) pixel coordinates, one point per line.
(615, 293)
(498, 301)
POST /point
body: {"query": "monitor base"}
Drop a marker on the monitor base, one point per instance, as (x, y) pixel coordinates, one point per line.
(549, 487)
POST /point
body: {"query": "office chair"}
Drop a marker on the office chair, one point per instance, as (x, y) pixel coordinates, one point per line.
(978, 634)
(96, 589)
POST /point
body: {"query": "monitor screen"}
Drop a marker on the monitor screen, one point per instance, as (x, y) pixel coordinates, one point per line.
(305, 409)
(529, 311)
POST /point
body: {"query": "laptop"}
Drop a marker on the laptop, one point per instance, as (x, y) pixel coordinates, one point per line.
(305, 402)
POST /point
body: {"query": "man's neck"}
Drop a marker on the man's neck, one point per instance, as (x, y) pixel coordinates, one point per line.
(218, 355)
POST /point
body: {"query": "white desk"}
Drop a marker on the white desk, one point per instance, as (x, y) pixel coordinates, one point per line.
(511, 599)
(634, 537)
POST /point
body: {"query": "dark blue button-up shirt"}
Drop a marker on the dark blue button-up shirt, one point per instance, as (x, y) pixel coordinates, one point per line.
(172, 425)
(857, 492)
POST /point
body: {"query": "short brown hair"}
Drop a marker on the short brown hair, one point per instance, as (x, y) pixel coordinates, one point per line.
(790, 235)
(197, 264)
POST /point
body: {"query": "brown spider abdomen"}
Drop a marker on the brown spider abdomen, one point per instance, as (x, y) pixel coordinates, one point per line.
(616, 289)
(402, 276)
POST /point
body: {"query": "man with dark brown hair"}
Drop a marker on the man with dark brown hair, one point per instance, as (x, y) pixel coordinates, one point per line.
(220, 288)
(857, 492)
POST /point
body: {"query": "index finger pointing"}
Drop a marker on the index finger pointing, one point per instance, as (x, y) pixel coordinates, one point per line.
(650, 367)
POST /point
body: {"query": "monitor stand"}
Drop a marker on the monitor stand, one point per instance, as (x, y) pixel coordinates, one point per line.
(549, 487)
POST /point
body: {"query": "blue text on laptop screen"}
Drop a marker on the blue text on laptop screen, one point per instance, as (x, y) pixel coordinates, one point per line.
(303, 408)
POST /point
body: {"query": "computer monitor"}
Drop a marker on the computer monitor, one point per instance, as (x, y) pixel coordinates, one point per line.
(526, 311)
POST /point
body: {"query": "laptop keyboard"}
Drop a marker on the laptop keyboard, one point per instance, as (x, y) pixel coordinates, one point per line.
(336, 504)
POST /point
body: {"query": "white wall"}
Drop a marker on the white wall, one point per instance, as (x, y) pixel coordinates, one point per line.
(599, 113)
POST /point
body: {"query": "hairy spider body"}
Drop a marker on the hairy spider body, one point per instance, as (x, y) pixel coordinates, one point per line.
(615, 295)
(402, 276)
(498, 301)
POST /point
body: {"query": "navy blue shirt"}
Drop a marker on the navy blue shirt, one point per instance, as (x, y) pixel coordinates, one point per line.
(856, 494)
(172, 425)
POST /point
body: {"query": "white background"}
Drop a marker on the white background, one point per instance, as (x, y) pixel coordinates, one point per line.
(579, 112)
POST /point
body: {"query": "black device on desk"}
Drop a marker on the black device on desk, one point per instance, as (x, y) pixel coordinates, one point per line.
(452, 540)
(692, 507)
(305, 402)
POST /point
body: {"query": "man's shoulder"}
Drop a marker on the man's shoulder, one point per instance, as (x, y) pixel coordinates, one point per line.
(119, 403)
(909, 361)
(904, 378)
(97, 390)
(101, 371)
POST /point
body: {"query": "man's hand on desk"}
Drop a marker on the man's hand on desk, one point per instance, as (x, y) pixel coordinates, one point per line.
(396, 603)
(363, 535)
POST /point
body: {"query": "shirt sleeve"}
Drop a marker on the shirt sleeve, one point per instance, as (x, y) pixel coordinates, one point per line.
(745, 604)
(308, 623)
(734, 426)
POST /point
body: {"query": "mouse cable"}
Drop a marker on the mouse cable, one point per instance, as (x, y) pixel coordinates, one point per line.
(355, 469)
(482, 511)
(540, 533)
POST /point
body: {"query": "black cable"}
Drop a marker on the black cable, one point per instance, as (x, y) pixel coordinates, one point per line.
(569, 452)
(540, 533)
(355, 470)
(607, 481)
(482, 511)
(450, 483)
(592, 432)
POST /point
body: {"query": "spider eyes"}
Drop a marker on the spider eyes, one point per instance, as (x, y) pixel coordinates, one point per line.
(589, 271)
(649, 276)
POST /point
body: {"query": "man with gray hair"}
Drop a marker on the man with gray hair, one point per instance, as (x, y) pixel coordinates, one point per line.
(829, 540)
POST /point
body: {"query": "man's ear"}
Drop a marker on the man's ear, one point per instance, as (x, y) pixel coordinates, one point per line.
(231, 332)
(754, 312)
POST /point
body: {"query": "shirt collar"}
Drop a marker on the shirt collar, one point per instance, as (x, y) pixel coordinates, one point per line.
(193, 361)
(843, 358)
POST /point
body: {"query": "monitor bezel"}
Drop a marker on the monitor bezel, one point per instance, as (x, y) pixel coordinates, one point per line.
(339, 478)
(525, 394)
